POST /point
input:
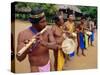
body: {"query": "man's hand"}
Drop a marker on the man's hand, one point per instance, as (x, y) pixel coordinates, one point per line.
(40, 39)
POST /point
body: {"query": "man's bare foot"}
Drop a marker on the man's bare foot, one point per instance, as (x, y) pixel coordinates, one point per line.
(77, 54)
(65, 60)
(92, 45)
(83, 54)
(85, 49)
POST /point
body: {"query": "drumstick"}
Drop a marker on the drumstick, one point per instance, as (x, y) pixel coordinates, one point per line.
(20, 52)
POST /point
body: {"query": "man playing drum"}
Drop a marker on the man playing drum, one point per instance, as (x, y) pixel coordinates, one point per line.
(69, 29)
(80, 36)
(58, 35)
(92, 28)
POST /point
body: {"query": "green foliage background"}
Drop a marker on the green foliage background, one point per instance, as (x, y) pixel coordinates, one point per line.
(51, 9)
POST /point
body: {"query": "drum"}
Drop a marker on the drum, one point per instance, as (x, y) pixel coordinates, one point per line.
(74, 34)
(88, 33)
(68, 46)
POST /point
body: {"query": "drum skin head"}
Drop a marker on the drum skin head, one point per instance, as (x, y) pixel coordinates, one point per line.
(89, 33)
(74, 34)
(68, 46)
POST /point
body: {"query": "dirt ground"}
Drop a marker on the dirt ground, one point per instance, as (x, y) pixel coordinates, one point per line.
(79, 62)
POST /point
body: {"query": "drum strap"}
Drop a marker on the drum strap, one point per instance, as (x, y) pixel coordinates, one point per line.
(33, 30)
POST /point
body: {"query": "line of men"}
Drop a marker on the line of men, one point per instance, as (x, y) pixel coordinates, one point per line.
(51, 39)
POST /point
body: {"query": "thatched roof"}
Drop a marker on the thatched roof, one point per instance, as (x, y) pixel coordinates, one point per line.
(74, 8)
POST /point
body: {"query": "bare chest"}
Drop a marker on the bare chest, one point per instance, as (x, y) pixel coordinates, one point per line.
(58, 32)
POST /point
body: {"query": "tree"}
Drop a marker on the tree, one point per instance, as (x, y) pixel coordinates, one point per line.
(49, 9)
(90, 11)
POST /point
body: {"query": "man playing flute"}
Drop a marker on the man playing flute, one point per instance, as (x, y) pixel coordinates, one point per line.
(38, 53)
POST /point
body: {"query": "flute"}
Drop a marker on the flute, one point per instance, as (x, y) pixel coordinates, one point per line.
(33, 40)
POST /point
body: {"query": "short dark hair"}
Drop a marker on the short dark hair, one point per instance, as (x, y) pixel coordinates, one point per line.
(83, 17)
(69, 15)
(56, 18)
(36, 11)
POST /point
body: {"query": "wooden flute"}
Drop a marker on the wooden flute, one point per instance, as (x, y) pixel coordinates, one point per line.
(22, 50)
